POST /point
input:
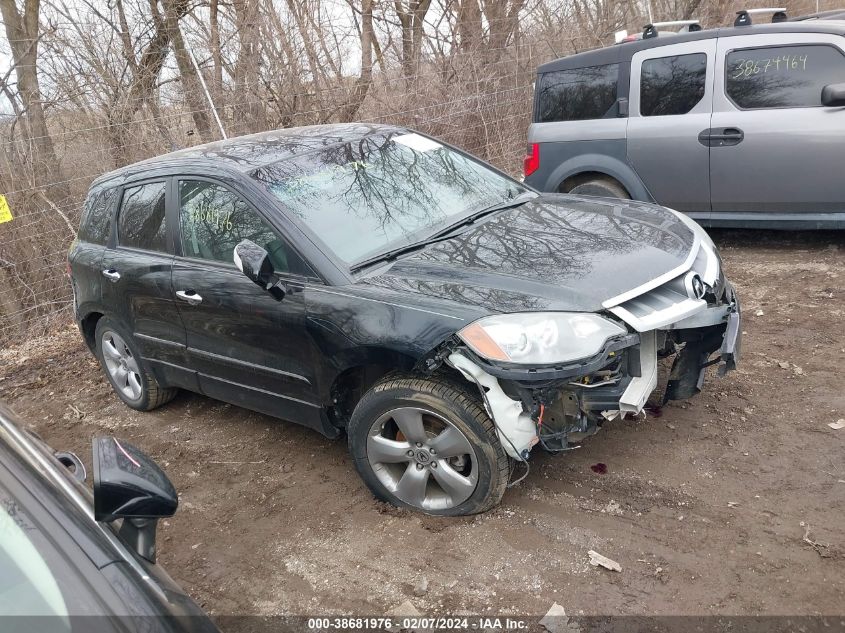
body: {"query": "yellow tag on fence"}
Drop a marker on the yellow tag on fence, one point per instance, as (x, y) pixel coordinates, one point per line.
(5, 211)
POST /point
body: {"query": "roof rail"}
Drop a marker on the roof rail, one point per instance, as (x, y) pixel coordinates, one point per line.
(651, 30)
(743, 17)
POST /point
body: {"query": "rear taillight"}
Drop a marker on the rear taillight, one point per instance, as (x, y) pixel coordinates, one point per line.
(531, 163)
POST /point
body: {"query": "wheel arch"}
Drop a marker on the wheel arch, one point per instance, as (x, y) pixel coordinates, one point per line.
(599, 165)
(357, 372)
(88, 327)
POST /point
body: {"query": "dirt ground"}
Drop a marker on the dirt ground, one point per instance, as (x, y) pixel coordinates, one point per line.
(730, 503)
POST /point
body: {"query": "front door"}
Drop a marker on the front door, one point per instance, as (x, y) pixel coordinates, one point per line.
(670, 104)
(787, 152)
(247, 347)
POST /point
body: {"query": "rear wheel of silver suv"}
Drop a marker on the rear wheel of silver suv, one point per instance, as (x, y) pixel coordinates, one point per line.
(126, 371)
(603, 187)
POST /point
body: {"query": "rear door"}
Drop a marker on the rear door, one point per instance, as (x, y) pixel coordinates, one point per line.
(247, 347)
(86, 252)
(136, 271)
(787, 150)
(670, 105)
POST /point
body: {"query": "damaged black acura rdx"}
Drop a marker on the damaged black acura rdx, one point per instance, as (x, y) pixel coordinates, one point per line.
(372, 281)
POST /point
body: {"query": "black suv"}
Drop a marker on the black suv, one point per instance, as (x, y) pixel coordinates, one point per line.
(374, 281)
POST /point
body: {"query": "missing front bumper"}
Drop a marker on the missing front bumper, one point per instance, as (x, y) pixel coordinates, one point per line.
(558, 406)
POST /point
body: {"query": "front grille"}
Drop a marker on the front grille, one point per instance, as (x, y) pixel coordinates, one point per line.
(670, 302)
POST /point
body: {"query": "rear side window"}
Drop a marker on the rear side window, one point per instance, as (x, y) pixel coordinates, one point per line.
(96, 216)
(141, 223)
(672, 85)
(782, 76)
(577, 94)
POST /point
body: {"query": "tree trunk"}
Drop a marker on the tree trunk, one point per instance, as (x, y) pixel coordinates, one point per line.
(362, 84)
(411, 19)
(247, 77)
(469, 26)
(194, 96)
(216, 54)
(22, 35)
(141, 89)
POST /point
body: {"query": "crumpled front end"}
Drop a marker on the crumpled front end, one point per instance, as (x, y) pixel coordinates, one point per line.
(691, 314)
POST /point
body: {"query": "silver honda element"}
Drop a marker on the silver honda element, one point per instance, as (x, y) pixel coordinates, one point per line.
(740, 126)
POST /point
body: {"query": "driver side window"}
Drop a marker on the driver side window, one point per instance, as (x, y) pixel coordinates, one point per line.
(214, 220)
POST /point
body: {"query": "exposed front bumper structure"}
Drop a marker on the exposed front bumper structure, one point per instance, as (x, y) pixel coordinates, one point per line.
(558, 406)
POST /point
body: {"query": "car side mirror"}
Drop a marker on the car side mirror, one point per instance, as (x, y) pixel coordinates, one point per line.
(833, 95)
(129, 485)
(254, 262)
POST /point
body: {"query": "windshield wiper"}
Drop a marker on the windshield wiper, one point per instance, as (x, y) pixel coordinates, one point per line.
(516, 201)
(446, 232)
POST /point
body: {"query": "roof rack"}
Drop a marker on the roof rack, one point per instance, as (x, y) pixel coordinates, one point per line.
(687, 26)
(743, 17)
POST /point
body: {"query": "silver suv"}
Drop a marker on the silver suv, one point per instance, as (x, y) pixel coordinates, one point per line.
(741, 126)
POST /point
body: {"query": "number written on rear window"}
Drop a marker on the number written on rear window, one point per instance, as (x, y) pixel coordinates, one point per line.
(782, 76)
(141, 223)
(577, 94)
(672, 85)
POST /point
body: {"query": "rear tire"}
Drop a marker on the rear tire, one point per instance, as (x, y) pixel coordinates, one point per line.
(128, 374)
(602, 187)
(442, 456)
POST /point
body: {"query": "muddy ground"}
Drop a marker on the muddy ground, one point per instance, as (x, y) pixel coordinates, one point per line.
(730, 503)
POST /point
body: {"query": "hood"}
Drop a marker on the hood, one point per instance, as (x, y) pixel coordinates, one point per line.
(555, 252)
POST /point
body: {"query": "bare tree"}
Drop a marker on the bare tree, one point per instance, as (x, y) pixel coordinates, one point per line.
(22, 33)
(174, 10)
(411, 19)
(247, 69)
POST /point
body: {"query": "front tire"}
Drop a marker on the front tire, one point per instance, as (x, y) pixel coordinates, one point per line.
(126, 371)
(428, 445)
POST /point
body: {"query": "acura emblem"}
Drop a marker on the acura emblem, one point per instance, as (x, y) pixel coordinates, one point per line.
(695, 286)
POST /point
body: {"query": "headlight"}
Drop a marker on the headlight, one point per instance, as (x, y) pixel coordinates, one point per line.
(539, 338)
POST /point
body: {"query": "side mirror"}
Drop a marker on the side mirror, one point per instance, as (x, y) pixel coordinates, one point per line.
(129, 485)
(833, 95)
(254, 262)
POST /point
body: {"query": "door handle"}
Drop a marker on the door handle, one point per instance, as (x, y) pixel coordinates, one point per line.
(111, 274)
(190, 296)
(721, 137)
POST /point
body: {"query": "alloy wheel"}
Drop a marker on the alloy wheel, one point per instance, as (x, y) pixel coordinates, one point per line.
(422, 458)
(121, 365)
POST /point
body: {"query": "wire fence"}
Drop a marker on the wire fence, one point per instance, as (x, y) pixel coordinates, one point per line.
(481, 102)
(487, 114)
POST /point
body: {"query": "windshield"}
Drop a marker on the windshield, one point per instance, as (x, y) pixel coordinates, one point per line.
(383, 191)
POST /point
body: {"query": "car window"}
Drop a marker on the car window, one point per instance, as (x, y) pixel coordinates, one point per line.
(214, 220)
(96, 216)
(577, 94)
(782, 76)
(672, 85)
(141, 223)
(383, 191)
